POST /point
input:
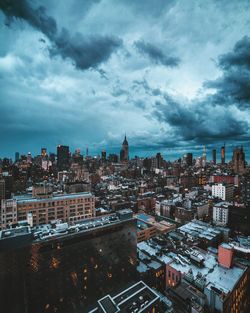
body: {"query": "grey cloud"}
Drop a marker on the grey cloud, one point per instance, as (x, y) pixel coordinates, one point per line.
(85, 52)
(149, 7)
(240, 57)
(35, 17)
(233, 87)
(155, 54)
(145, 86)
(118, 91)
(139, 104)
(197, 122)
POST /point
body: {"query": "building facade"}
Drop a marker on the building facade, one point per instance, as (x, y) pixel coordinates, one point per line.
(220, 214)
(66, 207)
(239, 163)
(62, 157)
(67, 270)
(124, 154)
(224, 192)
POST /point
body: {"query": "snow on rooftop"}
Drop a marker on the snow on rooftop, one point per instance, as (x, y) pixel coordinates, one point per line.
(216, 275)
(224, 278)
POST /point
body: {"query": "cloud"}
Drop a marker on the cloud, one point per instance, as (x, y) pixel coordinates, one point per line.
(198, 121)
(149, 7)
(85, 52)
(155, 54)
(45, 100)
(240, 57)
(145, 86)
(233, 87)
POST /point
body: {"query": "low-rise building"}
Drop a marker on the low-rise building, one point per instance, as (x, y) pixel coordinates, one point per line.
(221, 213)
(223, 283)
(65, 207)
(224, 192)
(161, 226)
(136, 298)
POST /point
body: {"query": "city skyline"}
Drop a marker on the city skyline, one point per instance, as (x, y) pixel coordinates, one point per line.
(167, 82)
(170, 154)
(125, 156)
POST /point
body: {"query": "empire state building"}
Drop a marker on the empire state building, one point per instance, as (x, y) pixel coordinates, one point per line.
(124, 154)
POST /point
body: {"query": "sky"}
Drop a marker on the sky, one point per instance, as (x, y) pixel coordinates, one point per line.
(173, 75)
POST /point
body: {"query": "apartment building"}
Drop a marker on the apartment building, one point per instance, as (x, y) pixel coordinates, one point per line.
(43, 210)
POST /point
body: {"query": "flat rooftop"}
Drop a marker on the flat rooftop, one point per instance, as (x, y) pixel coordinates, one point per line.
(14, 232)
(203, 263)
(137, 298)
(47, 232)
(200, 230)
(28, 198)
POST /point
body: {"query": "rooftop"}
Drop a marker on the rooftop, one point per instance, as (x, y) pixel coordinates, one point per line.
(28, 198)
(137, 298)
(47, 232)
(200, 263)
(200, 230)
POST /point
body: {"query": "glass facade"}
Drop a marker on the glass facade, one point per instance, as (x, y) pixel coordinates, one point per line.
(69, 273)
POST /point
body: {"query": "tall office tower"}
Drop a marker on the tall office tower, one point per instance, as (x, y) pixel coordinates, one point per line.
(189, 159)
(124, 154)
(104, 155)
(67, 268)
(159, 160)
(204, 157)
(62, 157)
(43, 152)
(223, 154)
(17, 156)
(29, 158)
(214, 156)
(239, 163)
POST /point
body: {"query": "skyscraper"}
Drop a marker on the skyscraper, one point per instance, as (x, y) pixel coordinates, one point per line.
(124, 154)
(214, 156)
(223, 154)
(62, 157)
(43, 152)
(239, 163)
(189, 159)
(104, 155)
(17, 156)
(204, 157)
(159, 160)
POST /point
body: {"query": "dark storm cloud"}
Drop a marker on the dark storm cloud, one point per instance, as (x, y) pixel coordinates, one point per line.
(85, 52)
(155, 54)
(240, 57)
(197, 122)
(233, 87)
